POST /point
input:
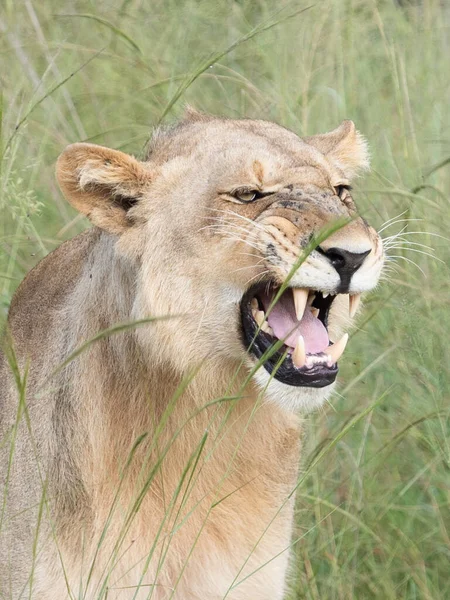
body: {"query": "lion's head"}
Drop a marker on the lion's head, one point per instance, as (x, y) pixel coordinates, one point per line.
(215, 221)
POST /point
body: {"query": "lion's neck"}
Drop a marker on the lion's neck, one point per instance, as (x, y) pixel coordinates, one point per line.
(177, 415)
(122, 396)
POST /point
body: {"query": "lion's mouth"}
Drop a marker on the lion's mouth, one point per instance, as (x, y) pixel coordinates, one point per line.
(299, 318)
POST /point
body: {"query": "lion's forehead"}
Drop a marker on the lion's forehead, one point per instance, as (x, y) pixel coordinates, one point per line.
(223, 140)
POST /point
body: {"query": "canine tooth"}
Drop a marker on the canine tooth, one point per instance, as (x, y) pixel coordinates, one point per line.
(315, 312)
(254, 304)
(336, 350)
(299, 354)
(353, 304)
(300, 300)
(267, 328)
(259, 317)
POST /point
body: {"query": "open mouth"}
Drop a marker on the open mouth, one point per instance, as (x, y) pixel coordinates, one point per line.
(299, 318)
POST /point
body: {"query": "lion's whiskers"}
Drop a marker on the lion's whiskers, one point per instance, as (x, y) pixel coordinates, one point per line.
(399, 257)
(233, 232)
(394, 220)
(249, 266)
(399, 241)
(235, 214)
(256, 276)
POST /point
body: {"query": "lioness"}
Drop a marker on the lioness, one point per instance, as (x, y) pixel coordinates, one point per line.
(160, 461)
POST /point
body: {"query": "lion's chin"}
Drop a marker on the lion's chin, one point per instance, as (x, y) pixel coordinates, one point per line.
(290, 398)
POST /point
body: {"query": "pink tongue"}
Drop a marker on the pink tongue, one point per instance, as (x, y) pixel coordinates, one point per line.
(285, 326)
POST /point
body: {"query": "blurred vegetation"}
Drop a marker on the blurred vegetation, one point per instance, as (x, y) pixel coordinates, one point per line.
(373, 515)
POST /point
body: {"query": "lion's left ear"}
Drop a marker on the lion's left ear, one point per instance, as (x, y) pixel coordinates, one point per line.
(102, 184)
(345, 147)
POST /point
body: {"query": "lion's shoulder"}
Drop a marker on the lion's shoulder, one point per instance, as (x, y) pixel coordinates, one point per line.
(42, 293)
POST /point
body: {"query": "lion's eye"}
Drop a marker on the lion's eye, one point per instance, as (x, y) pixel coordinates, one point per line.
(246, 196)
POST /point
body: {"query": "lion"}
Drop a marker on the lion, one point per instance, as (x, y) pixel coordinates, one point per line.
(159, 459)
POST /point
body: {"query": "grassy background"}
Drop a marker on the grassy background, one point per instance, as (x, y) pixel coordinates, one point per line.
(373, 515)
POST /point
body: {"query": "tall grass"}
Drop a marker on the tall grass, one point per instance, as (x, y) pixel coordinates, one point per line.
(373, 498)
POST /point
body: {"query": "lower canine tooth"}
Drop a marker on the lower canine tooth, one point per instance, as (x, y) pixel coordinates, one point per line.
(259, 317)
(299, 354)
(336, 350)
(266, 327)
(353, 303)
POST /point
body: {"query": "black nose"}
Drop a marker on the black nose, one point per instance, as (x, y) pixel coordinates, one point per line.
(346, 263)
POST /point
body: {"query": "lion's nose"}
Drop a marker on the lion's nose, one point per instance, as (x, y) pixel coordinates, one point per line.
(346, 263)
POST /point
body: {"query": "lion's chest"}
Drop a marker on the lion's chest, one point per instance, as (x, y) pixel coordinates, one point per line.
(237, 549)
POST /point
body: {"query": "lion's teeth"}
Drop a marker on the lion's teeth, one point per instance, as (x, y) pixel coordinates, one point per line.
(254, 304)
(315, 312)
(315, 359)
(353, 304)
(300, 300)
(325, 295)
(299, 354)
(335, 351)
(267, 328)
(259, 317)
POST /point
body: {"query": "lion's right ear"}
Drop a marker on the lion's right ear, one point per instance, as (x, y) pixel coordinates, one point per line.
(345, 147)
(102, 184)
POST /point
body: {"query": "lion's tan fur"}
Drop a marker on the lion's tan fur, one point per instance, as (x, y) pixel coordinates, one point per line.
(155, 251)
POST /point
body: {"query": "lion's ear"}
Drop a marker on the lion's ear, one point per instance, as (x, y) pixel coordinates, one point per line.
(101, 183)
(344, 146)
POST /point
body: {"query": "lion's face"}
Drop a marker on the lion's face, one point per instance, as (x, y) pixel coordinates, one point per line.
(249, 235)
